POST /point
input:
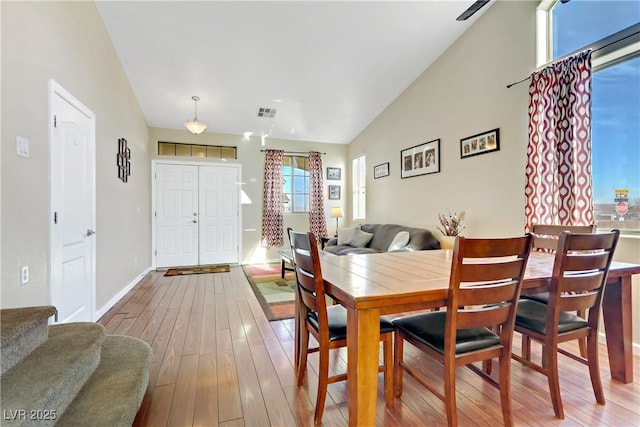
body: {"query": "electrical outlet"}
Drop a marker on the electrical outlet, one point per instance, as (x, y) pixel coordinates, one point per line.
(24, 274)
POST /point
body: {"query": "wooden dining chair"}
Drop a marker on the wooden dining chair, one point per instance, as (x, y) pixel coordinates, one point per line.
(578, 280)
(545, 236)
(485, 284)
(328, 324)
(545, 239)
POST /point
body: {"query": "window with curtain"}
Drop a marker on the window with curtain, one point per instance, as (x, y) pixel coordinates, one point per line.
(296, 184)
(359, 187)
(615, 87)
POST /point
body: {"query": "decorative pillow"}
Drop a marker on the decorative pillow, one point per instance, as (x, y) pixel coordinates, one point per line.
(344, 235)
(360, 238)
(400, 241)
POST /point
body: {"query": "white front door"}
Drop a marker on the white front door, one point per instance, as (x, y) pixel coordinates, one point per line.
(73, 208)
(176, 215)
(219, 217)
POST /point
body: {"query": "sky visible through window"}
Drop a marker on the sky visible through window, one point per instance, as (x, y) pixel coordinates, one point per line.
(616, 92)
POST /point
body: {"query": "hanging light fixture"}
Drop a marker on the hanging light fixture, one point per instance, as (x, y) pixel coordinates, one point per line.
(194, 126)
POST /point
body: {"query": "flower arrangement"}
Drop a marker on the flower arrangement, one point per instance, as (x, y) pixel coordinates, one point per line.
(451, 224)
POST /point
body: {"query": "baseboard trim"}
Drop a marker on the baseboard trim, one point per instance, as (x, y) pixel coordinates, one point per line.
(117, 297)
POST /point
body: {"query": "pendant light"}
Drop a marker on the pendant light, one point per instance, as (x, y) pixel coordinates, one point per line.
(194, 126)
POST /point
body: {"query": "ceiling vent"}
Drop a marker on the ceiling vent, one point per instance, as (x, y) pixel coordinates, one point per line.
(267, 113)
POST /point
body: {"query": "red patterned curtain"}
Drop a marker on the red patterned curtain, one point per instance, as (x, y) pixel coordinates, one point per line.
(272, 199)
(558, 188)
(317, 222)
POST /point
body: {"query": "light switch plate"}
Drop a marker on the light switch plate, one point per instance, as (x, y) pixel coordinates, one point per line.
(22, 146)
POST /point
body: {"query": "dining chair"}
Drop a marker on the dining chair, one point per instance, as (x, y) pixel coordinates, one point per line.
(545, 239)
(545, 236)
(578, 281)
(327, 324)
(484, 288)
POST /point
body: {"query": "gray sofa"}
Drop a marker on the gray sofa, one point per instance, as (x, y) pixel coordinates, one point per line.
(383, 235)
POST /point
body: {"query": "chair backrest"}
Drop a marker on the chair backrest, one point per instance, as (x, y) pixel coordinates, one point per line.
(580, 272)
(546, 235)
(486, 279)
(310, 284)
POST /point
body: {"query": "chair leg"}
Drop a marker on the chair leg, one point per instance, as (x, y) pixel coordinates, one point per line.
(304, 350)
(450, 394)
(387, 350)
(526, 347)
(504, 366)
(594, 367)
(397, 359)
(550, 357)
(582, 342)
(323, 381)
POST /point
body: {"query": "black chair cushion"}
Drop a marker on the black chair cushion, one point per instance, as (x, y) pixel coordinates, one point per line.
(428, 328)
(337, 317)
(542, 297)
(533, 315)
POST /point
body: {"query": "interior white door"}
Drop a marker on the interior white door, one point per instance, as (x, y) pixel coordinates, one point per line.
(176, 215)
(73, 206)
(219, 216)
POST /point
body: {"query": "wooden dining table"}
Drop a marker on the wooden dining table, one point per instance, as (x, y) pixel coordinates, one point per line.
(373, 285)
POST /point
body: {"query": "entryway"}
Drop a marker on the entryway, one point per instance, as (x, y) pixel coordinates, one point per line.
(196, 214)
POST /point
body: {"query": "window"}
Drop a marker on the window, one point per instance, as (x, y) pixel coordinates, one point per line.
(192, 150)
(581, 24)
(296, 184)
(359, 187)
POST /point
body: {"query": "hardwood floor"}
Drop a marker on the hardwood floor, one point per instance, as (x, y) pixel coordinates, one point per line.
(217, 361)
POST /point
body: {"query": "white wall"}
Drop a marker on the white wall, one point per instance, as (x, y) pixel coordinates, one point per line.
(67, 42)
(464, 93)
(252, 161)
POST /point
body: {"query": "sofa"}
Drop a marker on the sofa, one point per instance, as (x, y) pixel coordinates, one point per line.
(378, 238)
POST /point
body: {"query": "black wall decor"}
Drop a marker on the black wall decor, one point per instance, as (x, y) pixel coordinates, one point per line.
(123, 160)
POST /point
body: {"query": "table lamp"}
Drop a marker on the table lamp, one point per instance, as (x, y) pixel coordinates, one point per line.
(336, 213)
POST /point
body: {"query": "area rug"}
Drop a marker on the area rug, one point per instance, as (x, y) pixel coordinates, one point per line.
(275, 295)
(200, 269)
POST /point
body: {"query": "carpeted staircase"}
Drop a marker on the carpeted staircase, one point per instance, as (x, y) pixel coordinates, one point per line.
(70, 374)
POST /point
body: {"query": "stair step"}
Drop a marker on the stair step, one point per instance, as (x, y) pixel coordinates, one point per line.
(39, 388)
(114, 393)
(22, 330)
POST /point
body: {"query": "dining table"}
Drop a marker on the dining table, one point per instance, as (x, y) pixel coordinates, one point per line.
(373, 285)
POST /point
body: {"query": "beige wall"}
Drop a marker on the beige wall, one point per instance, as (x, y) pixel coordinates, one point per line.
(464, 93)
(252, 161)
(67, 42)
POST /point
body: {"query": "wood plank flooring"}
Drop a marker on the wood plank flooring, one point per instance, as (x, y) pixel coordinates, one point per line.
(217, 361)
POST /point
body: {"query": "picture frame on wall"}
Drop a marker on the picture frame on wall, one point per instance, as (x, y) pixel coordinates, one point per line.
(420, 160)
(482, 143)
(381, 171)
(334, 174)
(334, 192)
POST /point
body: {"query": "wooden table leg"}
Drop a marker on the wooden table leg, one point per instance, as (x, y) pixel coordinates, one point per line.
(616, 312)
(363, 350)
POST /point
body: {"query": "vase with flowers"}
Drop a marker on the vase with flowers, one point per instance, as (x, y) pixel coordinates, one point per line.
(451, 227)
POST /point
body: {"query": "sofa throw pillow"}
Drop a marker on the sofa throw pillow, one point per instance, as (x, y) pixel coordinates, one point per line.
(400, 241)
(360, 238)
(344, 235)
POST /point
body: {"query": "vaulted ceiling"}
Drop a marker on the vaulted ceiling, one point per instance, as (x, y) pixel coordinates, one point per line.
(328, 68)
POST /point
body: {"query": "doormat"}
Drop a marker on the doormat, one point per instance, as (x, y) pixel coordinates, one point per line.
(275, 294)
(200, 269)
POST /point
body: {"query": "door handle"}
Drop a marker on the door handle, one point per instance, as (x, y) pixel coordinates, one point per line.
(194, 221)
(90, 232)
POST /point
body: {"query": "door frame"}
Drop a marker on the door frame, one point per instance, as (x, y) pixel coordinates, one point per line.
(55, 89)
(154, 163)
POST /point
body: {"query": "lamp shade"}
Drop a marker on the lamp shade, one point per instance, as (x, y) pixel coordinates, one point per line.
(195, 127)
(336, 212)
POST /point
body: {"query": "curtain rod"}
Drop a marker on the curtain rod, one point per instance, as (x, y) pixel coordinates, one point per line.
(292, 152)
(618, 38)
